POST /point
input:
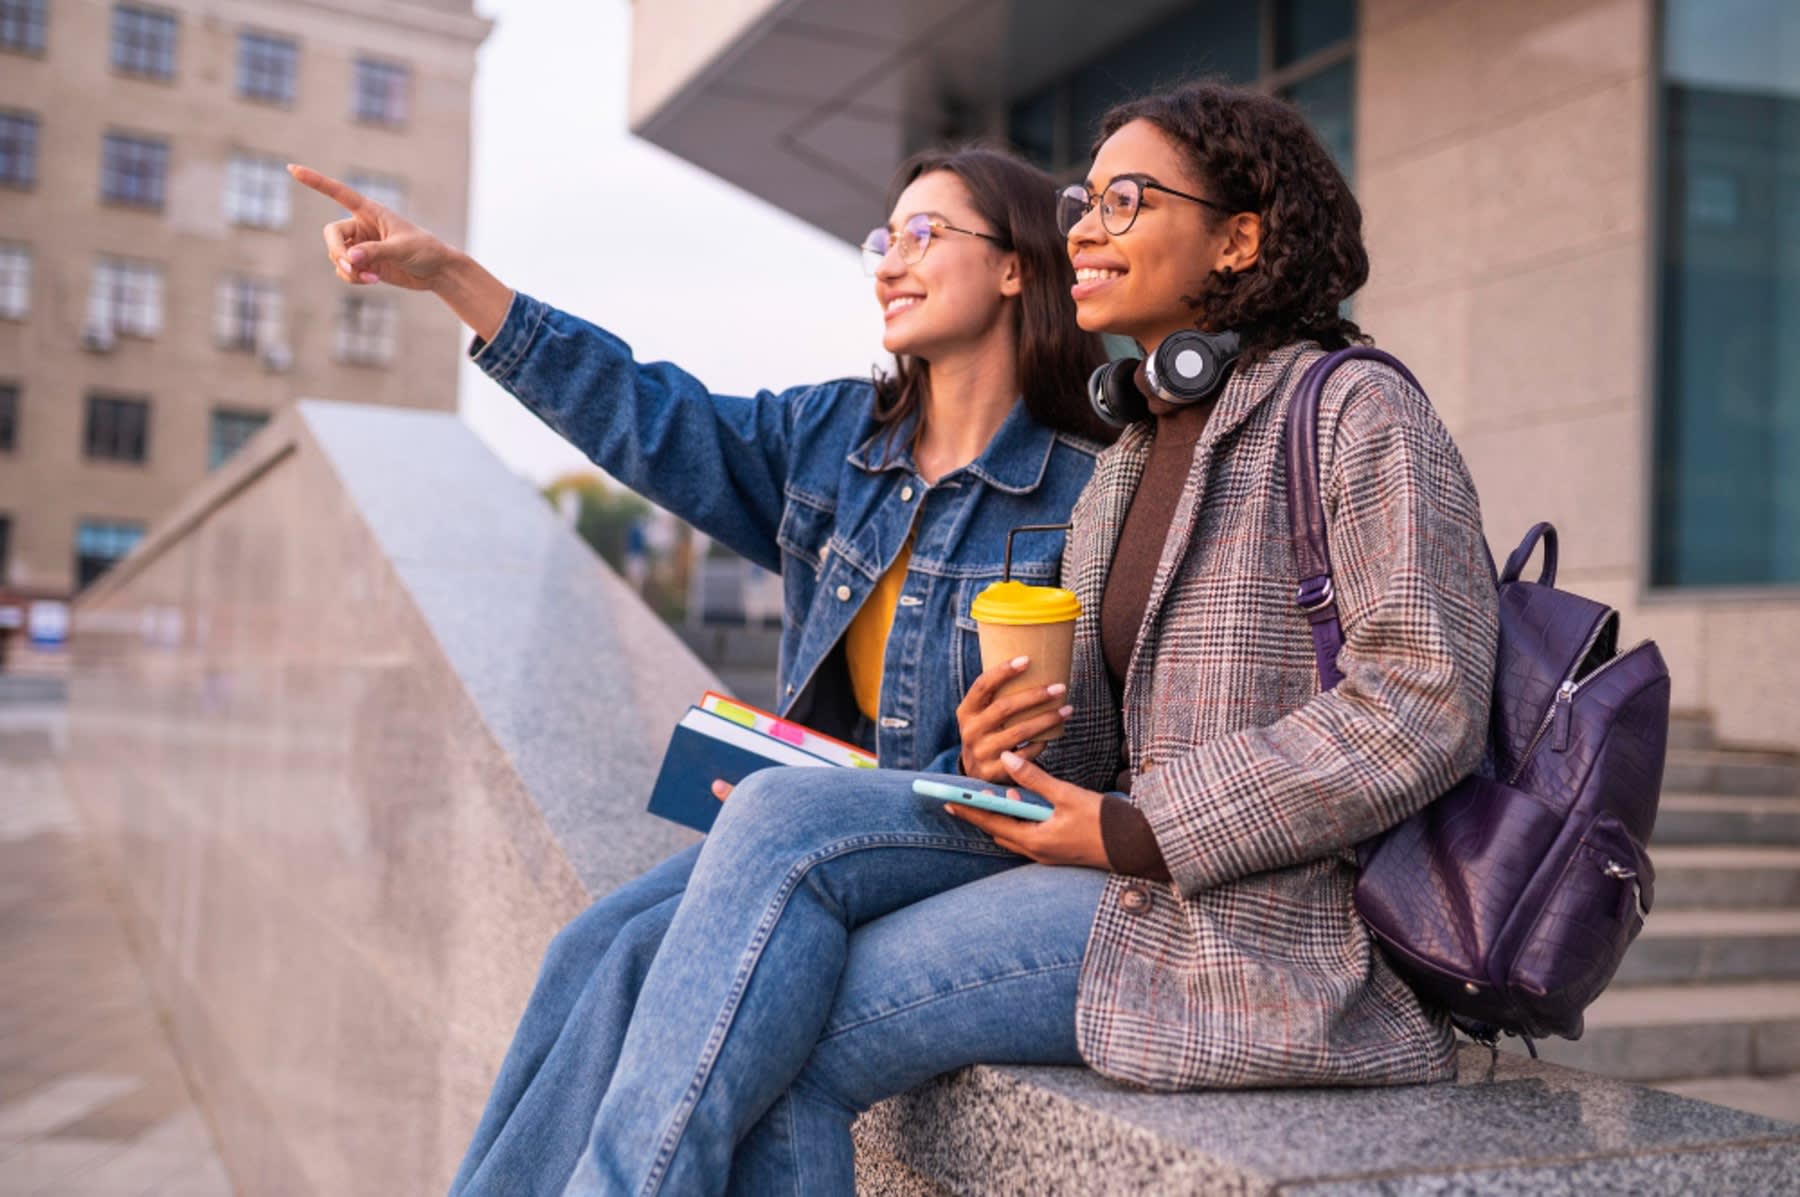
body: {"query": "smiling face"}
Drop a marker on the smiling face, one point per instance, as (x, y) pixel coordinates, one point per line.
(1145, 282)
(958, 293)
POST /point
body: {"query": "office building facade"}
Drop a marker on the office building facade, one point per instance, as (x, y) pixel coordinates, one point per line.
(162, 287)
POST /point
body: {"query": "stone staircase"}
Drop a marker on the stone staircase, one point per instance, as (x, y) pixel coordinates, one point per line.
(1711, 988)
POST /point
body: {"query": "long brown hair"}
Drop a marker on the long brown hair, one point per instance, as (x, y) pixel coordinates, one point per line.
(1055, 355)
(1259, 155)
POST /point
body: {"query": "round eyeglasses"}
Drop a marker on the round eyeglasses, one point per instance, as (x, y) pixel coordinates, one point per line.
(912, 240)
(1119, 203)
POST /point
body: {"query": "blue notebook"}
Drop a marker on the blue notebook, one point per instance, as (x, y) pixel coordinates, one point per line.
(707, 747)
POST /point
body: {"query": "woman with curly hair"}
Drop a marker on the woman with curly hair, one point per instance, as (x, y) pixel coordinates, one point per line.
(1183, 918)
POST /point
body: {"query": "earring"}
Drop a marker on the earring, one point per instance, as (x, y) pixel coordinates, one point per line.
(1225, 271)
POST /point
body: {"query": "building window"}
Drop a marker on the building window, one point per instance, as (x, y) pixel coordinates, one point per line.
(230, 430)
(15, 282)
(246, 314)
(18, 149)
(99, 543)
(143, 42)
(132, 170)
(386, 190)
(1726, 489)
(381, 92)
(257, 192)
(22, 26)
(9, 417)
(126, 301)
(267, 68)
(1303, 50)
(365, 331)
(118, 428)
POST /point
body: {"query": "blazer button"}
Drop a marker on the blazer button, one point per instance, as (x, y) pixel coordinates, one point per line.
(1145, 767)
(843, 593)
(1135, 899)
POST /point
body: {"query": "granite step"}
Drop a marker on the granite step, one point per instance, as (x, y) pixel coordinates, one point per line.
(1675, 1032)
(1694, 947)
(1726, 819)
(1731, 771)
(1734, 876)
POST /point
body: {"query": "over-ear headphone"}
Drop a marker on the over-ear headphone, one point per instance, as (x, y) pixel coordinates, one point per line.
(1187, 367)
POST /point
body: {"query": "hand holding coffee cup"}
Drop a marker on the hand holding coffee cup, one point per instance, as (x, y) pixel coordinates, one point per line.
(1027, 636)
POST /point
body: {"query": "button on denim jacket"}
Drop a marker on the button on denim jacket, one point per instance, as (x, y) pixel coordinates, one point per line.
(805, 482)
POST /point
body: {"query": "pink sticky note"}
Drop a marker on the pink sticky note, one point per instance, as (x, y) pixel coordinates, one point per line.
(781, 729)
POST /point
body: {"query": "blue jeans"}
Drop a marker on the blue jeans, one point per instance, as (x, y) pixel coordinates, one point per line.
(839, 941)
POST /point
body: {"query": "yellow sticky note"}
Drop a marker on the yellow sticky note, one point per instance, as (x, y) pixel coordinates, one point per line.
(735, 713)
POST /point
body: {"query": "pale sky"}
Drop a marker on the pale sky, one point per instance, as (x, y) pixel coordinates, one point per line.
(568, 206)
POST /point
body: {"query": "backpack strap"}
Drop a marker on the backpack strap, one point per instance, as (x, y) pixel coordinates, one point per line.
(1316, 598)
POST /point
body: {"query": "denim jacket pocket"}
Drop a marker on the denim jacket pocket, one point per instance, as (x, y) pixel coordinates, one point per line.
(805, 530)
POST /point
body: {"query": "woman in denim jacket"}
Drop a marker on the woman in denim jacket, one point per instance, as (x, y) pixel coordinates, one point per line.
(884, 506)
(840, 942)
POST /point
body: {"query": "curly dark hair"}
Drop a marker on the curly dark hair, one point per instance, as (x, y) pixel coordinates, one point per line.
(1055, 354)
(1258, 154)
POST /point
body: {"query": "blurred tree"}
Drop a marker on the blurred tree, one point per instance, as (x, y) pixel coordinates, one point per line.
(604, 515)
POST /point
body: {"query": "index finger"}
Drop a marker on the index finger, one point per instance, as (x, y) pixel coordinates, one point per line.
(330, 188)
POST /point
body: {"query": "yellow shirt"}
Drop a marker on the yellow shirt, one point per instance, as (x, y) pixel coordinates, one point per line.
(865, 642)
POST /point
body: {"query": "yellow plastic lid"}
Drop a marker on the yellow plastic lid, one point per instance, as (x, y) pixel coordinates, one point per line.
(1016, 603)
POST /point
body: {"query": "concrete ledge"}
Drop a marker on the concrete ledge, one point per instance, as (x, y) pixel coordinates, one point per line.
(1515, 1127)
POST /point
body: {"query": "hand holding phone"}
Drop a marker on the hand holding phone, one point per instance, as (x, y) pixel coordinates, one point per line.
(1026, 806)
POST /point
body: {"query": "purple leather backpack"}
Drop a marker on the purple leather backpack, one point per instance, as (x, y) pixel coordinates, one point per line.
(1510, 900)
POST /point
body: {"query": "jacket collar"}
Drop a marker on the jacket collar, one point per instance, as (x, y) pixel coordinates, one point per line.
(1249, 387)
(1014, 460)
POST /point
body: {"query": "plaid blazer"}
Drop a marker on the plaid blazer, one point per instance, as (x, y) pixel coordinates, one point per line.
(1251, 967)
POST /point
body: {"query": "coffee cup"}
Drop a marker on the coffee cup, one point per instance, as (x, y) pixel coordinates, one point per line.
(1014, 619)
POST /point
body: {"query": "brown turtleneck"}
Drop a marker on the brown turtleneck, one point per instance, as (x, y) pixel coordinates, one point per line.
(1130, 843)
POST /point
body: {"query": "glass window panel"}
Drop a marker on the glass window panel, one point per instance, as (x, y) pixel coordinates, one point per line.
(230, 430)
(380, 92)
(133, 170)
(1031, 126)
(1726, 506)
(18, 149)
(126, 299)
(9, 416)
(143, 42)
(247, 314)
(365, 331)
(258, 192)
(1327, 99)
(22, 25)
(99, 543)
(1304, 27)
(267, 67)
(1217, 38)
(15, 282)
(118, 428)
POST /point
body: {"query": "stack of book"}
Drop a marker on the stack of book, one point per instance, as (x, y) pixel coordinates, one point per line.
(722, 739)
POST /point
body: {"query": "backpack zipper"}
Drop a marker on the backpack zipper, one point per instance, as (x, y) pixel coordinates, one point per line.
(1562, 707)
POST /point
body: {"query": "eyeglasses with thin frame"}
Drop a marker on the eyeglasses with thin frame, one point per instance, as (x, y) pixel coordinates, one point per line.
(913, 239)
(1119, 203)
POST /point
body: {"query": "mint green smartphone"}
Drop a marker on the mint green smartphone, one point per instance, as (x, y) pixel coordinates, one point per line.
(1028, 806)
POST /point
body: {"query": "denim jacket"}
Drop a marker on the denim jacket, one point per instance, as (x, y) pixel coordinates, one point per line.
(805, 482)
